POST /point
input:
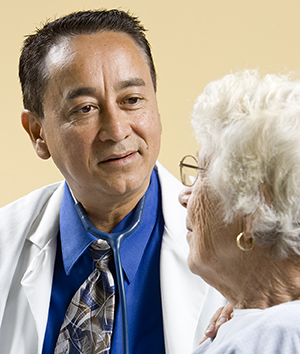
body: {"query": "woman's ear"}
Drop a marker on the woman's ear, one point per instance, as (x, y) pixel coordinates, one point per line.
(265, 194)
(31, 123)
(266, 198)
(248, 225)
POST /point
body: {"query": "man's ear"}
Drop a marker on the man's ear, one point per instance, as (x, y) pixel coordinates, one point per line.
(31, 123)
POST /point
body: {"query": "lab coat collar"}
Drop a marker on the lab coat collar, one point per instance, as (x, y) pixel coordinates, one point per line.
(35, 281)
(46, 224)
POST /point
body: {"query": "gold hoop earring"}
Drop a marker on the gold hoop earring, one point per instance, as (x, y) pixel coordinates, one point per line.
(238, 242)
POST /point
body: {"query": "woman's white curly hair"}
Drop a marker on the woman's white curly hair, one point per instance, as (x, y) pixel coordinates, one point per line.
(248, 126)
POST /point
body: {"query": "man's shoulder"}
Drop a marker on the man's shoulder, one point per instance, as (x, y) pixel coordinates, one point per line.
(174, 214)
(168, 181)
(32, 198)
(29, 205)
(170, 189)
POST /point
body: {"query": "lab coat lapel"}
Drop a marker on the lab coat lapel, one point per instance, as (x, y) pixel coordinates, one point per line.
(37, 280)
(16, 226)
(37, 287)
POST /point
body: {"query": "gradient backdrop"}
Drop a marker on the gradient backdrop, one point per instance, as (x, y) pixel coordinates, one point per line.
(193, 42)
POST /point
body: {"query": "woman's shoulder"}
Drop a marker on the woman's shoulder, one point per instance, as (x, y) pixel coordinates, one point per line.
(273, 330)
(282, 319)
(277, 330)
(282, 315)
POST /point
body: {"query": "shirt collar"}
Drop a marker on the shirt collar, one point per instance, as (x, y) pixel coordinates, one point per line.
(75, 239)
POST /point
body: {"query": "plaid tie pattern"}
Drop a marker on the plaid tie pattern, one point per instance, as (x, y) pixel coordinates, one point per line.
(88, 323)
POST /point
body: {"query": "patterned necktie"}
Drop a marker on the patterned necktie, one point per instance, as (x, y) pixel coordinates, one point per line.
(88, 323)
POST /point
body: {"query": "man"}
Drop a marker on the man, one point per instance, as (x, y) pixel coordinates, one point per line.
(88, 83)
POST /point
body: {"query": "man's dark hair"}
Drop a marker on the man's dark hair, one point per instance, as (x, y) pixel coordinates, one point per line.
(32, 65)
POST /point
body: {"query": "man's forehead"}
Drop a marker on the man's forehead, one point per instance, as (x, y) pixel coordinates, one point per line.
(64, 51)
(60, 53)
(75, 65)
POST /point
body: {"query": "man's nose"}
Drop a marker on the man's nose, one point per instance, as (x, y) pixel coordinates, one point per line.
(184, 196)
(115, 124)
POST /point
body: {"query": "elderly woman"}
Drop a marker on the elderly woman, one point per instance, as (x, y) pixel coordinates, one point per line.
(243, 205)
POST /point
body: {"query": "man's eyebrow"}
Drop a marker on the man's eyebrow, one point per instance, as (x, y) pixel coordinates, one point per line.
(130, 82)
(80, 91)
(87, 91)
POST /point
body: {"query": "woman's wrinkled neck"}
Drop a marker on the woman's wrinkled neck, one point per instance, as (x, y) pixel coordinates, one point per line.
(269, 284)
(261, 282)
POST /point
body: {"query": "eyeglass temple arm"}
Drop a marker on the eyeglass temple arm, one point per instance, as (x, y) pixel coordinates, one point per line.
(181, 164)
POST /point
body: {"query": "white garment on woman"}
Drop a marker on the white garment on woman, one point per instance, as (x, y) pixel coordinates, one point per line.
(275, 330)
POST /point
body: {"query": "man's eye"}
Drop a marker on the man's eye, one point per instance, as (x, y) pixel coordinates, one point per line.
(131, 100)
(85, 109)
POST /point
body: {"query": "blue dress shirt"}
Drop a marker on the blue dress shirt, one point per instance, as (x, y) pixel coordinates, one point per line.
(140, 255)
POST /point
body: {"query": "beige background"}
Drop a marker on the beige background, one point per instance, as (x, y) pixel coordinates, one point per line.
(193, 41)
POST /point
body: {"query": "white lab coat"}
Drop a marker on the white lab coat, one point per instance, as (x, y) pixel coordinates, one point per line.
(28, 230)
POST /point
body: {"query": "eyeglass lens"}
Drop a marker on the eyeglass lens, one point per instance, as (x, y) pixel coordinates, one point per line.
(189, 174)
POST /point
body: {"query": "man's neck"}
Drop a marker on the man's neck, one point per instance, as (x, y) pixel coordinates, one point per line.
(106, 212)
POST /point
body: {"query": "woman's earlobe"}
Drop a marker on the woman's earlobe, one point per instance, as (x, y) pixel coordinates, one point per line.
(33, 127)
(248, 226)
(266, 194)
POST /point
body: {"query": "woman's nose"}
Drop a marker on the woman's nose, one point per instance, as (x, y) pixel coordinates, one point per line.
(184, 196)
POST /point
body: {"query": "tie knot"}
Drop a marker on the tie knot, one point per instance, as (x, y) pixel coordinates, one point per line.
(101, 253)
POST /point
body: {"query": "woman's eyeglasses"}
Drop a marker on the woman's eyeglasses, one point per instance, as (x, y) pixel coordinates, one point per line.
(189, 170)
